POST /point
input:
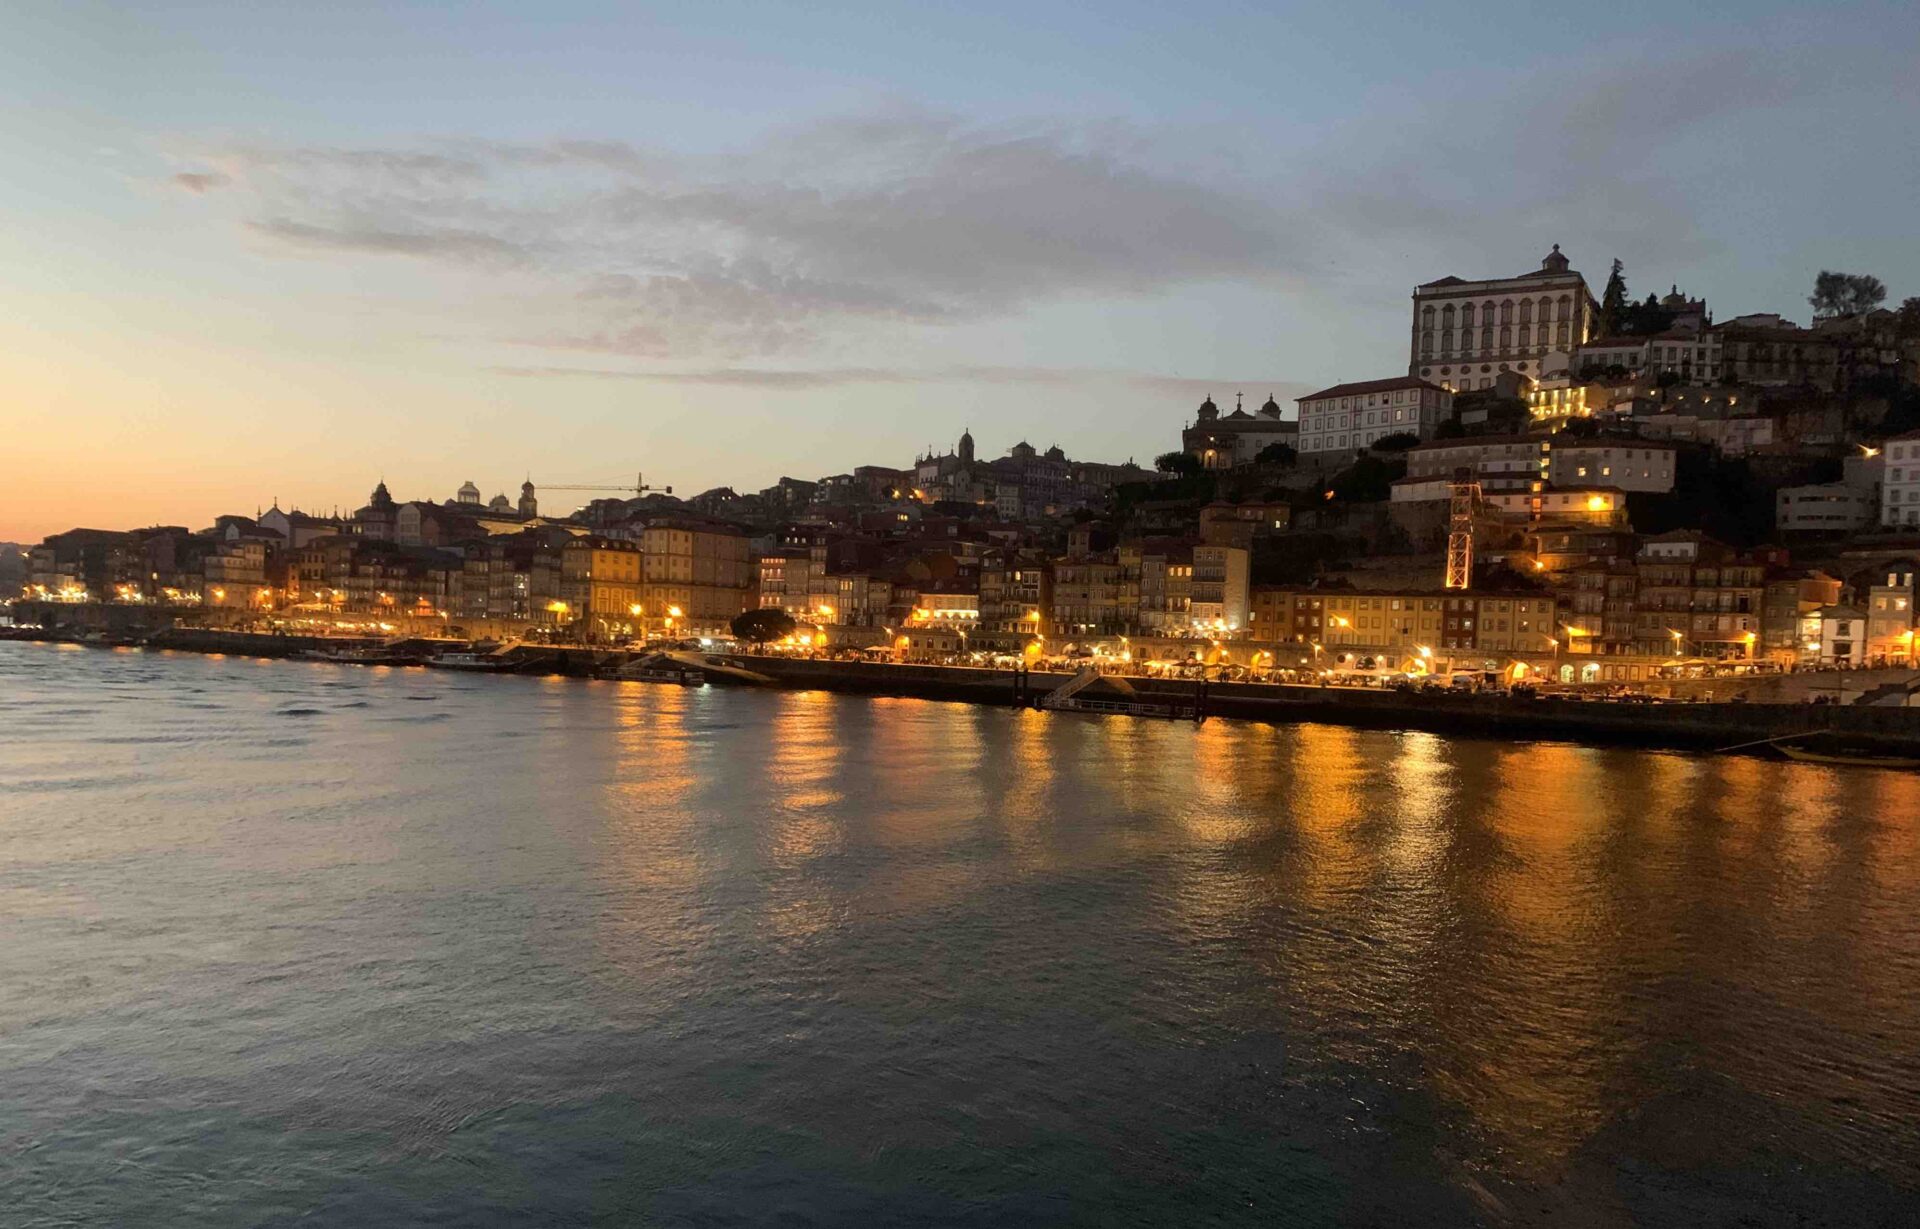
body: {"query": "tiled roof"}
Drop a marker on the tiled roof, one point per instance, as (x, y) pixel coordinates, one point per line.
(1370, 386)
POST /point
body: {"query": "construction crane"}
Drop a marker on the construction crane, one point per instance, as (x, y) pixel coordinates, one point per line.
(1464, 503)
(639, 487)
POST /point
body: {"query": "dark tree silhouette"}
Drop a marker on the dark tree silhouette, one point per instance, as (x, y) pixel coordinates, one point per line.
(761, 626)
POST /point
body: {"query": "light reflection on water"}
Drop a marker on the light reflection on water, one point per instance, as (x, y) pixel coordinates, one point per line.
(295, 941)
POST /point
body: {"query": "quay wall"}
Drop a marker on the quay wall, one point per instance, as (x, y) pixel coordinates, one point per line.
(1696, 725)
(1701, 725)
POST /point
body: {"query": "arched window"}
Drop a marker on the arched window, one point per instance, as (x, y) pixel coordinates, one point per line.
(1563, 334)
(1525, 335)
(1466, 316)
(1526, 311)
(1426, 317)
(1546, 310)
(1486, 338)
(1446, 340)
(1506, 336)
(1426, 342)
(1506, 311)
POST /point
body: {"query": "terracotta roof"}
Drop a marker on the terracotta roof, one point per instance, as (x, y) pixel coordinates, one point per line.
(1371, 386)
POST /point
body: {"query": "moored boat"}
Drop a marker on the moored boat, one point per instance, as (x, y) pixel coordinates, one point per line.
(487, 663)
(1806, 756)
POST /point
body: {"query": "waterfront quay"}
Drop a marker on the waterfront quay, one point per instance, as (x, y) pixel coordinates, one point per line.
(1705, 725)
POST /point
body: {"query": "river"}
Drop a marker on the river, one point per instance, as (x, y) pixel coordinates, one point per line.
(302, 943)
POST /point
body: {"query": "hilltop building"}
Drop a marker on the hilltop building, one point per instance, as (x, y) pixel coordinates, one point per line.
(1465, 333)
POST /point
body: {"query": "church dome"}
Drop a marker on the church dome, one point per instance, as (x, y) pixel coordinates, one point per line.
(469, 493)
(499, 503)
(1270, 408)
(1208, 410)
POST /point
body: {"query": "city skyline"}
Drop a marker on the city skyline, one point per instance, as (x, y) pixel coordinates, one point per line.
(251, 264)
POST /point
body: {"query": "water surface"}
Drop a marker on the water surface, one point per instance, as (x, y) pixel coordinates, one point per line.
(303, 943)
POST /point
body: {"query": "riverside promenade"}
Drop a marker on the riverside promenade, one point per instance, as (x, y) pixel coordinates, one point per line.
(1708, 726)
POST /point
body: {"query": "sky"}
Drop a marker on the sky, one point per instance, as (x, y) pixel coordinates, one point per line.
(285, 251)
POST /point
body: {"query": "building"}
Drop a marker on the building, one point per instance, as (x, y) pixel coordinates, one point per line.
(1465, 333)
(1016, 597)
(1890, 612)
(1630, 465)
(1451, 623)
(1787, 602)
(1220, 590)
(1900, 486)
(1497, 462)
(1836, 635)
(1697, 598)
(1164, 571)
(1827, 507)
(1238, 438)
(1336, 422)
(696, 571)
(600, 588)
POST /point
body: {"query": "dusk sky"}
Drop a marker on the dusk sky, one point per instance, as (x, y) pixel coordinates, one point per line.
(286, 250)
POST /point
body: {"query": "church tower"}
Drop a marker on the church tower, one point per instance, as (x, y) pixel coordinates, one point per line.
(529, 506)
(966, 448)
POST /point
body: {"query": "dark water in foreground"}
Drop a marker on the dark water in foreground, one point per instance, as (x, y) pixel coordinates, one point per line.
(286, 943)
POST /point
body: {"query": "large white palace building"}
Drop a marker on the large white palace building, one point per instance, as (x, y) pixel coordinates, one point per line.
(1466, 333)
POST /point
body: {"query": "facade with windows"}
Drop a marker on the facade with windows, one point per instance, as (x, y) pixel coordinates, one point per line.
(1890, 616)
(1630, 465)
(1466, 333)
(1338, 421)
(1900, 488)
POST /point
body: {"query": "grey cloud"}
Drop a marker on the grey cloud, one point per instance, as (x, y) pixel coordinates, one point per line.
(828, 232)
(820, 233)
(200, 182)
(464, 246)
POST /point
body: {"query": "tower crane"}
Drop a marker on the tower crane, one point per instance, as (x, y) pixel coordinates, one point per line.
(639, 487)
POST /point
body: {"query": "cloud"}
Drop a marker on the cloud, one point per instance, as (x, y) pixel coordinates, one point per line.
(200, 182)
(458, 245)
(861, 230)
(812, 237)
(837, 377)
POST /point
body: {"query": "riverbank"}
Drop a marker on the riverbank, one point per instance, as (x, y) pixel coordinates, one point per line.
(1696, 726)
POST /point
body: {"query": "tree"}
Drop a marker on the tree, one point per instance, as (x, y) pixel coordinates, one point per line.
(1845, 294)
(1181, 463)
(1613, 302)
(1277, 453)
(1907, 321)
(1399, 441)
(761, 626)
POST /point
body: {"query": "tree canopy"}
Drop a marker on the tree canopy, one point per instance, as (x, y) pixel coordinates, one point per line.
(762, 626)
(1399, 441)
(1277, 453)
(1183, 463)
(1846, 294)
(1613, 302)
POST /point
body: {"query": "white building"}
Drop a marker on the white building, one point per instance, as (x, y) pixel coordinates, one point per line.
(1497, 462)
(1828, 507)
(1900, 488)
(1465, 333)
(1838, 634)
(1349, 417)
(1631, 465)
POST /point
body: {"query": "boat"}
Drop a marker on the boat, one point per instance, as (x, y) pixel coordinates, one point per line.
(362, 657)
(660, 669)
(486, 663)
(1856, 761)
